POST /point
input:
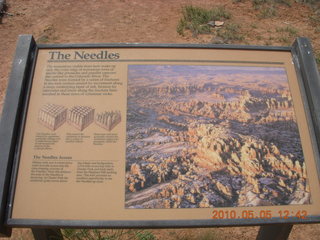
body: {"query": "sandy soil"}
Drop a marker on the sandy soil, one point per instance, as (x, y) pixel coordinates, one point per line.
(149, 21)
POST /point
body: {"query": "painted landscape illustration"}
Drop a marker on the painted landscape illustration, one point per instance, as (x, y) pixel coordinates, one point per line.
(212, 136)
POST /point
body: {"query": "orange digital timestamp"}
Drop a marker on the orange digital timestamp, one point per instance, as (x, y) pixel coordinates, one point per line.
(261, 214)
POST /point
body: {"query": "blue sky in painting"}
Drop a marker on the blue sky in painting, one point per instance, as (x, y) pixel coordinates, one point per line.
(156, 72)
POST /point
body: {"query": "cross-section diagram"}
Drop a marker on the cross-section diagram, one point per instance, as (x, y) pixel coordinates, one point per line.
(80, 116)
(52, 116)
(108, 119)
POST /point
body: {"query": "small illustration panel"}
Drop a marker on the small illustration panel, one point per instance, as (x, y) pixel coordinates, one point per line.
(80, 116)
(108, 119)
(52, 116)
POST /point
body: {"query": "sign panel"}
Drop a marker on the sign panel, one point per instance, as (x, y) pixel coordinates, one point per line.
(153, 134)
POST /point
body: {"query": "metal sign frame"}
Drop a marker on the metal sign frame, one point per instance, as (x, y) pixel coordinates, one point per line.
(16, 106)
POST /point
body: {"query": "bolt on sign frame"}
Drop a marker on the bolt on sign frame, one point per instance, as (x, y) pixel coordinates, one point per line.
(98, 136)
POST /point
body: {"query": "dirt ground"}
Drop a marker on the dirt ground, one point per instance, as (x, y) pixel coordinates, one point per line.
(148, 21)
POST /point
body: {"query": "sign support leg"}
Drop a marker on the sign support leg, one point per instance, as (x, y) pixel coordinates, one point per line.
(274, 232)
(47, 234)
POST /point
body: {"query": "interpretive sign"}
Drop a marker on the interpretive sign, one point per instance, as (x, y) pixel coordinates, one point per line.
(170, 135)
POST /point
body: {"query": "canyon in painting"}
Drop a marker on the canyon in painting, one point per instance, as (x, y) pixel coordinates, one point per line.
(212, 136)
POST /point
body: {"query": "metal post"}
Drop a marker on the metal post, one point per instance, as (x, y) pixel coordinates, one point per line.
(274, 232)
(47, 234)
(11, 115)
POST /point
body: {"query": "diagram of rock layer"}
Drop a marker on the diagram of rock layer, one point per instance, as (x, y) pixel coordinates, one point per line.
(212, 136)
(80, 116)
(52, 116)
(108, 120)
